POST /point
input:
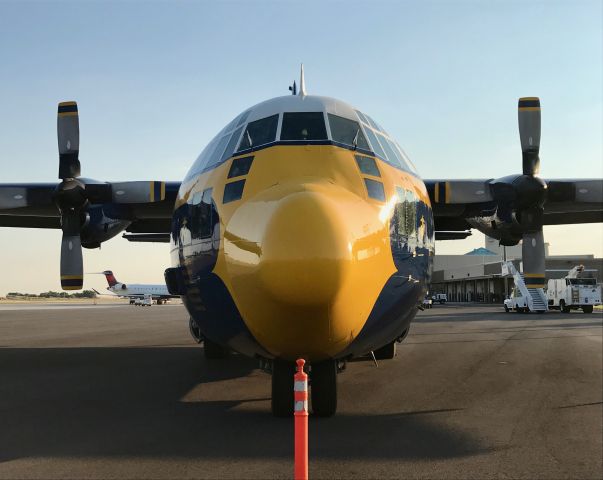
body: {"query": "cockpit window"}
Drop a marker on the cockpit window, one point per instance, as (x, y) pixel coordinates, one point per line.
(232, 143)
(375, 143)
(243, 118)
(303, 126)
(259, 132)
(347, 132)
(374, 124)
(362, 117)
(216, 156)
(391, 155)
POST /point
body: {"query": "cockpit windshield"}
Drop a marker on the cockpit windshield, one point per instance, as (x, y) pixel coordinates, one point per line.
(330, 121)
(347, 132)
(260, 132)
(303, 126)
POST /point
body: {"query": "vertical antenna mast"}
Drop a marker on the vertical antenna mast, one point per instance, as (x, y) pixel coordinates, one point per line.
(302, 83)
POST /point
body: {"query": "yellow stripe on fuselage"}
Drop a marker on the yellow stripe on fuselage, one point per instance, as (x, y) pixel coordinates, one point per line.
(305, 252)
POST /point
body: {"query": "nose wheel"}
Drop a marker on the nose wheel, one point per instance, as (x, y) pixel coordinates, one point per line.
(323, 378)
(323, 383)
(282, 388)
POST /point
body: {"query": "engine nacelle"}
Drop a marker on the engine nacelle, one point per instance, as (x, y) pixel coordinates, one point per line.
(101, 224)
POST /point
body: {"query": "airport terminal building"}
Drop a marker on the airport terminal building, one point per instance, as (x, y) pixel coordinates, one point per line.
(476, 276)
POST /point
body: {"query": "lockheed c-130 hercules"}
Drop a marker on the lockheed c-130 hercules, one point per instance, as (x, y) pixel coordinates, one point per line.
(302, 230)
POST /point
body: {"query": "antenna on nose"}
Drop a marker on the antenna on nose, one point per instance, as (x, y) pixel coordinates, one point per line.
(302, 83)
(293, 88)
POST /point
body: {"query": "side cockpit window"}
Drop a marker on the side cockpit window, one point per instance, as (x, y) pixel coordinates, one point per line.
(383, 146)
(347, 132)
(303, 126)
(259, 132)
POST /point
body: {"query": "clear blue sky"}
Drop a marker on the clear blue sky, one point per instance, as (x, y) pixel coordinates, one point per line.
(156, 80)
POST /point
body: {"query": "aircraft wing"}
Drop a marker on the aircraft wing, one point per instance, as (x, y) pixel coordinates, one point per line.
(34, 205)
(566, 201)
(88, 213)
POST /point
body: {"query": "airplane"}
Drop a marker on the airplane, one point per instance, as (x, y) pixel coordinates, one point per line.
(302, 230)
(158, 292)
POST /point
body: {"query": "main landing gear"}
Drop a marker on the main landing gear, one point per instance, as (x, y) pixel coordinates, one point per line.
(323, 388)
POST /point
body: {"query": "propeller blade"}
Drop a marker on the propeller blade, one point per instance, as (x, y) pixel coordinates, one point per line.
(532, 252)
(529, 133)
(72, 267)
(138, 192)
(68, 134)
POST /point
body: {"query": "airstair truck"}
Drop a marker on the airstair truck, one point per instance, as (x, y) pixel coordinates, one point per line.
(573, 292)
(523, 298)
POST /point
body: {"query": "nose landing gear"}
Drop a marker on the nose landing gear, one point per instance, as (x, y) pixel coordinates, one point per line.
(323, 388)
(323, 381)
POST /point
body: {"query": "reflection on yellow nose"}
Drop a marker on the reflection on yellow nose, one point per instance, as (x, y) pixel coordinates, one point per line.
(305, 257)
(305, 264)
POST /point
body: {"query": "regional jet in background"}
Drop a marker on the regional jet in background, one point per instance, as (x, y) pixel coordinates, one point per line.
(302, 230)
(157, 292)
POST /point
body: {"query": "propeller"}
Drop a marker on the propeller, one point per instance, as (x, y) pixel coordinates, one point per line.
(70, 196)
(532, 191)
(73, 195)
(525, 195)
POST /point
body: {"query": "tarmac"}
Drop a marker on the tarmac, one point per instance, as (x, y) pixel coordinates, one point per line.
(119, 391)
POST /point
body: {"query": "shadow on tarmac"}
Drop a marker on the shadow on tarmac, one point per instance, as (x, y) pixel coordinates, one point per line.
(100, 402)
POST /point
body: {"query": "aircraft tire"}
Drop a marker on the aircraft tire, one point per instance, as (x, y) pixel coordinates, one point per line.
(587, 309)
(282, 388)
(386, 352)
(213, 351)
(324, 388)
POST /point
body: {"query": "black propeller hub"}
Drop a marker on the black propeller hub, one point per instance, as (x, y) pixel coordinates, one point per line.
(531, 191)
(70, 195)
(519, 192)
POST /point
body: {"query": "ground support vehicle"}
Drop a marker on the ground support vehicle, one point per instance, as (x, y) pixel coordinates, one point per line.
(573, 292)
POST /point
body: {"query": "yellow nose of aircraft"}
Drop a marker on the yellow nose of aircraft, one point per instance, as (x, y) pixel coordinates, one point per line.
(306, 258)
(305, 263)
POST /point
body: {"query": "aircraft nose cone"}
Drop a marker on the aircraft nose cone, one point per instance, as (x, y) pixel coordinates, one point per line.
(306, 254)
(305, 263)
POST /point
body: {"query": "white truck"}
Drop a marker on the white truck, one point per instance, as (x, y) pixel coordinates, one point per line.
(146, 301)
(516, 302)
(440, 298)
(573, 292)
(523, 298)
